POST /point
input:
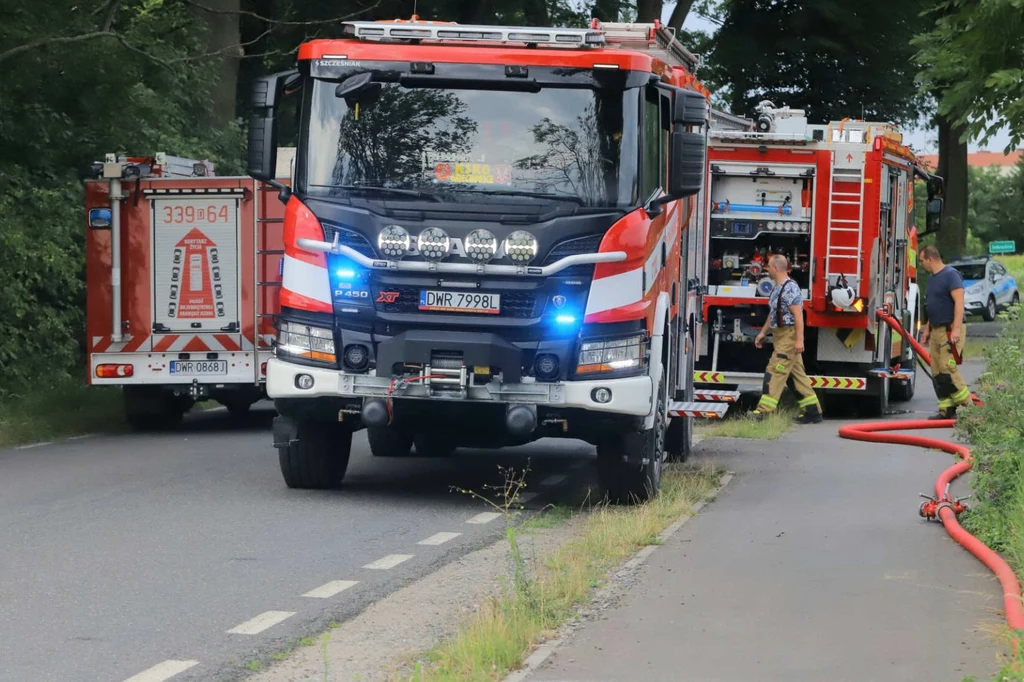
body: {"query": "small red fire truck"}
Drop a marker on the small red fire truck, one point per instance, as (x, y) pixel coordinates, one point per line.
(838, 201)
(183, 275)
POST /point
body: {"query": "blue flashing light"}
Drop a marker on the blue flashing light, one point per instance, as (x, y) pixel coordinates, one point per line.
(565, 319)
(346, 273)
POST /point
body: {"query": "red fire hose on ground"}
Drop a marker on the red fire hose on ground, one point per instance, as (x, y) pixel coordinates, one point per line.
(942, 506)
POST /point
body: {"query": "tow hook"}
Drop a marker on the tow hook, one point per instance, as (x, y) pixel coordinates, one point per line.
(193, 390)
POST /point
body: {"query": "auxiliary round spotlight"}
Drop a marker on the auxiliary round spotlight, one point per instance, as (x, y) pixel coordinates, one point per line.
(521, 247)
(433, 244)
(601, 395)
(546, 366)
(303, 381)
(481, 245)
(393, 241)
(356, 357)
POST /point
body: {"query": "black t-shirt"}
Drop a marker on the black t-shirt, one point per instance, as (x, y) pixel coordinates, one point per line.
(939, 297)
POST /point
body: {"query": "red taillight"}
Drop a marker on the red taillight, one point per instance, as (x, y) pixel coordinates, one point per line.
(114, 371)
(263, 369)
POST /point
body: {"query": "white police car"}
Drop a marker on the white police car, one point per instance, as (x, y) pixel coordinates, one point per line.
(987, 286)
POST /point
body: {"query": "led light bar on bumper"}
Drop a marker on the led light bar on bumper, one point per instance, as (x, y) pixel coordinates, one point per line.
(314, 344)
(627, 355)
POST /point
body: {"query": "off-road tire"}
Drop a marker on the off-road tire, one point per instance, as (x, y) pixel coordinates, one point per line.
(627, 481)
(318, 457)
(387, 441)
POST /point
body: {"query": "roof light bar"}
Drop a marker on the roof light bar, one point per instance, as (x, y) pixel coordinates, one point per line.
(374, 30)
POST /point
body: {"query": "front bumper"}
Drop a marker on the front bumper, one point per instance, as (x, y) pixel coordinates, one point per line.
(630, 395)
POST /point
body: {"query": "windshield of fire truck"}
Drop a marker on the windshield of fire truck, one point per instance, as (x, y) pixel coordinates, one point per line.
(567, 143)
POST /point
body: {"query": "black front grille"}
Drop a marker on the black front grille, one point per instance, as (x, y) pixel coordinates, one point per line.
(572, 247)
(406, 300)
(348, 238)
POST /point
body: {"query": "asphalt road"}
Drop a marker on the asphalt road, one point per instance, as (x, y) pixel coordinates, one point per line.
(978, 328)
(812, 564)
(121, 553)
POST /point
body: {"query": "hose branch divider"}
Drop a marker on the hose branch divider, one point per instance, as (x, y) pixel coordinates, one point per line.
(941, 506)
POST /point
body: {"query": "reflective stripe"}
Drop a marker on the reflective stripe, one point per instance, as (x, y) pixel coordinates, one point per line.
(943, 404)
(616, 291)
(306, 280)
(808, 401)
(768, 401)
(961, 396)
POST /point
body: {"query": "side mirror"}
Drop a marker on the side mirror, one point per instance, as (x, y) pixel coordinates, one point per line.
(686, 164)
(262, 151)
(689, 108)
(933, 216)
(685, 169)
(359, 89)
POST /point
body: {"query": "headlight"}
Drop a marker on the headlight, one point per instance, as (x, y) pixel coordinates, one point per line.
(433, 244)
(393, 241)
(521, 247)
(481, 245)
(304, 341)
(613, 355)
(976, 289)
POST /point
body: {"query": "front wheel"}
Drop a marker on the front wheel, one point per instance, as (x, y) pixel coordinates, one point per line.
(989, 313)
(317, 457)
(623, 478)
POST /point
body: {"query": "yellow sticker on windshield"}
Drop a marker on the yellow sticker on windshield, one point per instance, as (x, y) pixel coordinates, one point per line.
(474, 173)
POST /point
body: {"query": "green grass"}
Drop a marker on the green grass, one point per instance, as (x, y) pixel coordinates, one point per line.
(773, 427)
(550, 517)
(49, 413)
(495, 641)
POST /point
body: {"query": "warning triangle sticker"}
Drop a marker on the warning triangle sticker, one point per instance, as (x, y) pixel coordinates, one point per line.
(196, 288)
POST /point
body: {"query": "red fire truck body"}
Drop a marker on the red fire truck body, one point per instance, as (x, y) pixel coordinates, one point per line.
(183, 275)
(838, 201)
(517, 264)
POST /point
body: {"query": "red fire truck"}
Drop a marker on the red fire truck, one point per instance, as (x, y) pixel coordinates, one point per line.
(838, 201)
(183, 275)
(491, 237)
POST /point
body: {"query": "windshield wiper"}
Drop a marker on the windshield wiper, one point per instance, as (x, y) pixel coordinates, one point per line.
(394, 191)
(525, 193)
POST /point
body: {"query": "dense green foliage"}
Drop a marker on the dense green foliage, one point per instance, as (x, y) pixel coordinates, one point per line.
(826, 56)
(973, 56)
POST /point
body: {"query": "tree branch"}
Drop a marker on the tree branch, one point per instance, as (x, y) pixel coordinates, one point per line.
(56, 40)
(109, 12)
(278, 22)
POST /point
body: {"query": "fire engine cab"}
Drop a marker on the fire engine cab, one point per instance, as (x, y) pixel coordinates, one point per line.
(182, 275)
(491, 236)
(838, 201)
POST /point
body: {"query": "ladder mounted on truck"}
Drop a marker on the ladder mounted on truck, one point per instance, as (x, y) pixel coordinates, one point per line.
(159, 165)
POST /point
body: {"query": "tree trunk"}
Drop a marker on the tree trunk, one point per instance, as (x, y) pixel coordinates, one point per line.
(952, 237)
(607, 10)
(679, 13)
(224, 38)
(648, 10)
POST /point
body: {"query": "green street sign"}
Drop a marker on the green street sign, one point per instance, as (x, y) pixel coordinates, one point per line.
(1002, 247)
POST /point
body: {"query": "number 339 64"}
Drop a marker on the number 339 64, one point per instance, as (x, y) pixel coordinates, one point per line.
(195, 214)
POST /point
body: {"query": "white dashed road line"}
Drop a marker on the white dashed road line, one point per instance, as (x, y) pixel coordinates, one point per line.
(439, 538)
(553, 480)
(255, 626)
(328, 590)
(485, 517)
(388, 562)
(162, 671)
(34, 445)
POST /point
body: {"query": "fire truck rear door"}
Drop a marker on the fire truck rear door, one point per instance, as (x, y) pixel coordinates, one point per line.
(196, 272)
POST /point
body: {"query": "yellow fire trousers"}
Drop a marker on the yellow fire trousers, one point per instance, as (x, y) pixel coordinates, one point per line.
(950, 388)
(786, 364)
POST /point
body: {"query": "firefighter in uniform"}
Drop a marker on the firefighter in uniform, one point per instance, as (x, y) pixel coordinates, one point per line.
(786, 322)
(944, 334)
